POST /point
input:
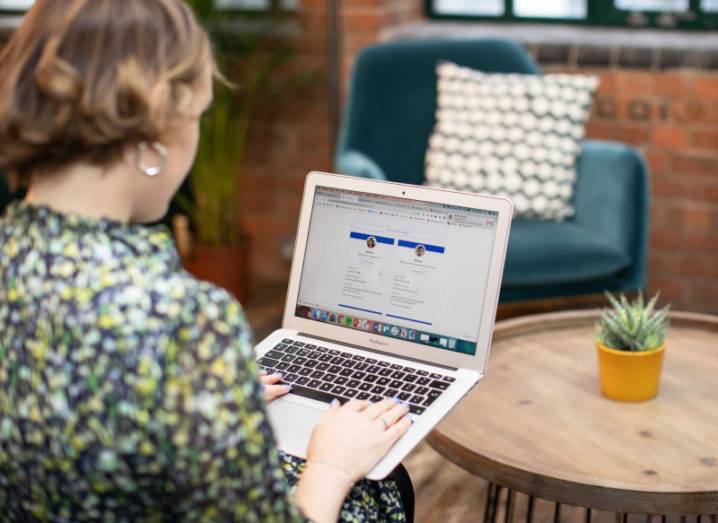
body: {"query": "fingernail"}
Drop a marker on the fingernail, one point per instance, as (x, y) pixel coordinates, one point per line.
(335, 402)
(396, 399)
(405, 404)
(262, 372)
(288, 385)
(278, 374)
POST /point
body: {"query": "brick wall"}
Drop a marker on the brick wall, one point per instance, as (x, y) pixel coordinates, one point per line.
(664, 103)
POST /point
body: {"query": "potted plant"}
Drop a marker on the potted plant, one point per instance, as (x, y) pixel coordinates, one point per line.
(630, 338)
(247, 52)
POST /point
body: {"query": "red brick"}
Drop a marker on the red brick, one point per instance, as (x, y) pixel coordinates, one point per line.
(705, 86)
(365, 20)
(672, 289)
(659, 161)
(664, 238)
(606, 84)
(705, 139)
(623, 132)
(634, 83)
(695, 164)
(698, 218)
(703, 242)
(692, 111)
(671, 84)
(669, 137)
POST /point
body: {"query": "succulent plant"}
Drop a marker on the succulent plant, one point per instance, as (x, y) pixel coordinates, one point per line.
(632, 325)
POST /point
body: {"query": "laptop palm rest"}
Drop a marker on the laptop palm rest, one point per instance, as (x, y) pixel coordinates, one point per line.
(293, 424)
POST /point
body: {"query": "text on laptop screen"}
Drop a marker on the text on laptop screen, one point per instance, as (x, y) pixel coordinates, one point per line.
(406, 269)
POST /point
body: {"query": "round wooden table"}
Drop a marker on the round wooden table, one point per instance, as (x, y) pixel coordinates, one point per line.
(537, 422)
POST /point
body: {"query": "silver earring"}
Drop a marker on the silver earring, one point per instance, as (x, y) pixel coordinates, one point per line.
(152, 170)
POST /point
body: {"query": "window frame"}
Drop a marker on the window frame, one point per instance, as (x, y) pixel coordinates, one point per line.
(598, 13)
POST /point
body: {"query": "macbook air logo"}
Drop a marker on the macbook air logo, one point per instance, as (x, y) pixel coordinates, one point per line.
(378, 342)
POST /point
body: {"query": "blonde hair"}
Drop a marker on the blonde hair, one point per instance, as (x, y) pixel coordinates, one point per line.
(78, 79)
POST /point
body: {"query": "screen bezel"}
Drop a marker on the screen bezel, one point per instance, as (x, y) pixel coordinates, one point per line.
(389, 345)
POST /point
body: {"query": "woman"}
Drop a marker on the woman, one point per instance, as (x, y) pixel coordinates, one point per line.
(128, 389)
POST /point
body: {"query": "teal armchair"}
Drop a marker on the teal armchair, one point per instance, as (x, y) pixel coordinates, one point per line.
(387, 123)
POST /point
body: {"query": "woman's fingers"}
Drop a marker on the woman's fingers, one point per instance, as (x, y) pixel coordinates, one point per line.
(272, 392)
(394, 414)
(270, 379)
(377, 409)
(397, 430)
(357, 405)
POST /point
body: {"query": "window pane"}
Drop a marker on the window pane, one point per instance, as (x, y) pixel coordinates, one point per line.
(653, 5)
(710, 6)
(16, 5)
(550, 8)
(469, 7)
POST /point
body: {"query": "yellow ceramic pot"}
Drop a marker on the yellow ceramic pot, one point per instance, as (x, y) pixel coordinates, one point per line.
(629, 376)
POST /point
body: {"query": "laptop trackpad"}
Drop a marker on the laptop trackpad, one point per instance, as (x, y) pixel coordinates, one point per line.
(293, 424)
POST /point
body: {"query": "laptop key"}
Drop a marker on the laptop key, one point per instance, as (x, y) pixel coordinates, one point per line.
(370, 361)
(441, 385)
(346, 372)
(326, 387)
(287, 340)
(373, 369)
(322, 366)
(274, 354)
(310, 346)
(383, 381)
(376, 398)
(416, 410)
(422, 390)
(335, 369)
(349, 364)
(289, 378)
(383, 363)
(385, 372)
(302, 381)
(341, 380)
(396, 367)
(421, 373)
(358, 358)
(363, 396)
(313, 355)
(397, 374)
(396, 384)
(338, 389)
(322, 349)
(303, 352)
(371, 378)
(334, 352)
(294, 368)
(358, 375)
(404, 396)
(288, 357)
(265, 361)
(311, 364)
(349, 393)
(436, 376)
(317, 374)
(391, 393)
(269, 370)
(300, 361)
(353, 383)
(449, 379)
(416, 399)
(410, 370)
(428, 402)
(314, 394)
(314, 384)
(423, 381)
(365, 386)
(408, 387)
(410, 378)
(337, 360)
(433, 393)
(329, 378)
(361, 366)
(345, 354)
(280, 347)
(377, 390)
(304, 371)
(291, 349)
(325, 357)
(299, 343)
(282, 365)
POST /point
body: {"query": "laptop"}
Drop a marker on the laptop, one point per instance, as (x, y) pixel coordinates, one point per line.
(392, 293)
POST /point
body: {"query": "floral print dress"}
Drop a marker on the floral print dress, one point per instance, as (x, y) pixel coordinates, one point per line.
(128, 389)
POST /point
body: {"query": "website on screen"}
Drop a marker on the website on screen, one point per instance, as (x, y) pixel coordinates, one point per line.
(396, 267)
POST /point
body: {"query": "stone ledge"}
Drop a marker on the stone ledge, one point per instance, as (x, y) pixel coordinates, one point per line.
(583, 46)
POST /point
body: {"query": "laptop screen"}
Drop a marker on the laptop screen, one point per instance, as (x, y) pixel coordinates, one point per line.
(396, 267)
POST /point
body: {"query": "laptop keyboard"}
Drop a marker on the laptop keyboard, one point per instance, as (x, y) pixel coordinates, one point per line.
(324, 374)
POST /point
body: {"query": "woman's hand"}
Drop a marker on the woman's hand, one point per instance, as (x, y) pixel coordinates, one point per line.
(346, 444)
(272, 389)
(356, 436)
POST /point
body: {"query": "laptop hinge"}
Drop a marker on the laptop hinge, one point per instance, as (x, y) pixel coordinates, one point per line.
(361, 347)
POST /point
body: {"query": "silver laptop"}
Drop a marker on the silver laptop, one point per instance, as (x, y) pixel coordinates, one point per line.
(393, 293)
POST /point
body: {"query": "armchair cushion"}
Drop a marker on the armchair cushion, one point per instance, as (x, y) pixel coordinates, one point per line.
(354, 163)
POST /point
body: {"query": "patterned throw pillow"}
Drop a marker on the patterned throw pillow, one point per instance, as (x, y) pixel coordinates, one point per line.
(512, 135)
